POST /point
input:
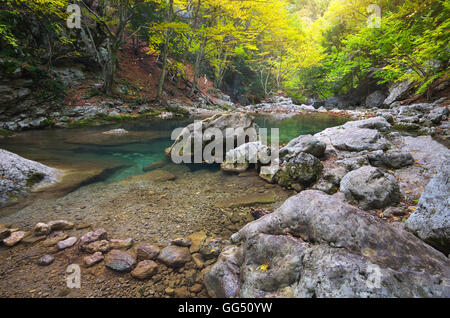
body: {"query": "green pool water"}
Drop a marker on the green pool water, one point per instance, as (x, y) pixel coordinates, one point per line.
(52, 146)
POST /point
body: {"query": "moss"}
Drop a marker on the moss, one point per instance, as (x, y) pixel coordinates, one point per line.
(406, 127)
(34, 178)
(47, 123)
(5, 133)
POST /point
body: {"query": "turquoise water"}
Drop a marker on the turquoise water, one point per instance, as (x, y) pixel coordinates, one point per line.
(55, 147)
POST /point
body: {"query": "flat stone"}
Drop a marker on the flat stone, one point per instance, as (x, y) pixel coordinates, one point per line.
(147, 252)
(33, 239)
(117, 244)
(174, 256)
(93, 259)
(60, 225)
(93, 236)
(198, 260)
(42, 229)
(145, 269)
(196, 288)
(14, 238)
(46, 260)
(67, 243)
(97, 246)
(183, 242)
(119, 261)
(197, 239)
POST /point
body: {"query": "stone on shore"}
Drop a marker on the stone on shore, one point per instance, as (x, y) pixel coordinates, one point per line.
(174, 256)
(371, 188)
(146, 251)
(431, 219)
(316, 245)
(145, 270)
(119, 261)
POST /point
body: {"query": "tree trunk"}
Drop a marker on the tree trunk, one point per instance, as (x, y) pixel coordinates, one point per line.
(165, 52)
(109, 70)
(198, 60)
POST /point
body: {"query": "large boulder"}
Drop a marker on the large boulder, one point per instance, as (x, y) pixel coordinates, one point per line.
(306, 143)
(240, 158)
(431, 220)
(303, 169)
(244, 130)
(316, 245)
(20, 176)
(371, 188)
(375, 100)
(356, 136)
(397, 92)
(390, 159)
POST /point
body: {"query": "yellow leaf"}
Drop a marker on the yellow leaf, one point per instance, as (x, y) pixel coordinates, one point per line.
(264, 267)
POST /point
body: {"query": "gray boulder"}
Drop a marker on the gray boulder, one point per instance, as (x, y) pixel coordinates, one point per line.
(20, 176)
(306, 143)
(397, 92)
(304, 169)
(244, 131)
(240, 158)
(390, 159)
(371, 188)
(316, 245)
(376, 99)
(431, 220)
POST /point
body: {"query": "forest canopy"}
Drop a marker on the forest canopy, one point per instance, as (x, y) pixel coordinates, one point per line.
(305, 48)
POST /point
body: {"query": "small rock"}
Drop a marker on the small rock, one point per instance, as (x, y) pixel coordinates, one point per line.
(46, 260)
(121, 244)
(61, 245)
(147, 252)
(197, 239)
(60, 225)
(169, 291)
(145, 269)
(394, 211)
(93, 259)
(183, 242)
(119, 261)
(14, 238)
(41, 229)
(97, 246)
(90, 237)
(196, 288)
(174, 256)
(198, 260)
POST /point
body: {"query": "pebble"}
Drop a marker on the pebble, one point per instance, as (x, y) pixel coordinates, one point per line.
(174, 256)
(97, 246)
(14, 238)
(41, 229)
(121, 244)
(93, 236)
(60, 225)
(147, 251)
(144, 270)
(93, 259)
(61, 245)
(46, 260)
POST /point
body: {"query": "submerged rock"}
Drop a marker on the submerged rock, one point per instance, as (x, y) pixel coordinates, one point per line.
(371, 188)
(62, 245)
(14, 238)
(93, 236)
(60, 225)
(46, 260)
(431, 220)
(247, 200)
(93, 259)
(316, 245)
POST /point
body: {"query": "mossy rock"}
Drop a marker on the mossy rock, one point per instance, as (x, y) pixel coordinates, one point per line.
(304, 169)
